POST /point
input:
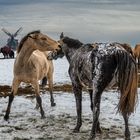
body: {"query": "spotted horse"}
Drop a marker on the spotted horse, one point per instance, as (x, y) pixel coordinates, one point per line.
(98, 68)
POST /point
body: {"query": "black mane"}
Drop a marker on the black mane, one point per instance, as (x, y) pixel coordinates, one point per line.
(24, 39)
(72, 43)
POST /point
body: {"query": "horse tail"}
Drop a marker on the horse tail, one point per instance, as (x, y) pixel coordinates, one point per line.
(127, 82)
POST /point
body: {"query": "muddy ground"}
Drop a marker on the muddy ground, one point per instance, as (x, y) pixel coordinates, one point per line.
(25, 122)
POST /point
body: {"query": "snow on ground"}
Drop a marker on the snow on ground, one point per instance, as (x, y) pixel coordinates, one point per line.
(25, 121)
(6, 71)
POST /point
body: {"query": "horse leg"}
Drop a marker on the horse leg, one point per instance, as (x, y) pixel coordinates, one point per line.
(15, 86)
(50, 84)
(100, 83)
(11, 97)
(127, 132)
(44, 82)
(96, 112)
(7, 55)
(4, 56)
(98, 130)
(91, 100)
(13, 54)
(78, 97)
(38, 98)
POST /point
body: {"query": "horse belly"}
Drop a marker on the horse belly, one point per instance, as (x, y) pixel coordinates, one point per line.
(86, 80)
(82, 76)
(81, 69)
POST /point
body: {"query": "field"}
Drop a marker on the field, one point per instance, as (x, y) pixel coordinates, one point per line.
(25, 121)
(89, 21)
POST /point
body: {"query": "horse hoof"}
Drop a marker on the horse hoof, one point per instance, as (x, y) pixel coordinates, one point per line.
(6, 117)
(76, 130)
(36, 107)
(43, 117)
(127, 138)
(53, 104)
(92, 138)
(99, 131)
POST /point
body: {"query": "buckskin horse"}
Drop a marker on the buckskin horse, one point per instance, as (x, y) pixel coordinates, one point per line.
(97, 67)
(31, 65)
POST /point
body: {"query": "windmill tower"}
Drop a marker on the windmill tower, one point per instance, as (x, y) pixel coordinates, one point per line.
(12, 42)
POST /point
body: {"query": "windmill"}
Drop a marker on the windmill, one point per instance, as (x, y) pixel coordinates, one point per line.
(12, 42)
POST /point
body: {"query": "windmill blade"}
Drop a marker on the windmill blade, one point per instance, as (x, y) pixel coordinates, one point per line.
(17, 32)
(5, 31)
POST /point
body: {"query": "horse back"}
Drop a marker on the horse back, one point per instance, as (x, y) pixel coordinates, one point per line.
(36, 67)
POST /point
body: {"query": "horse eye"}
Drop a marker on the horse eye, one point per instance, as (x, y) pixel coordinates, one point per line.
(43, 38)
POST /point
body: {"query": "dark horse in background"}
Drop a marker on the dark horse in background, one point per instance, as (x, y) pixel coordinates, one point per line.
(7, 52)
(97, 67)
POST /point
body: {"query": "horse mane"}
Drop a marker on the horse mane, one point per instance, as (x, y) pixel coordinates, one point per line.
(24, 39)
(73, 43)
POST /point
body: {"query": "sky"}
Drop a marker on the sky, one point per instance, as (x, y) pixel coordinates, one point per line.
(87, 20)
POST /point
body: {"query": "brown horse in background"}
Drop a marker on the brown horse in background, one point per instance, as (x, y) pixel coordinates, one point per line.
(136, 52)
(7, 52)
(31, 65)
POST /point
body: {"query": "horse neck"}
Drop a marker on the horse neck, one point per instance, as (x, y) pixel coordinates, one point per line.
(25, 52)
(69, 52)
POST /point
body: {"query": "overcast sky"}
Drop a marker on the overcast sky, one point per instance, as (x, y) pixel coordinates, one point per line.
(87, 20)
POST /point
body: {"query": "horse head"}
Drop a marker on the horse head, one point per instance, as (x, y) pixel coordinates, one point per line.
(44, 42)
(37, 40)
(59, 53)
(66, 43)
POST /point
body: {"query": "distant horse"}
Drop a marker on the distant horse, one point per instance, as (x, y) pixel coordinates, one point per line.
(11, 54)
(136, 52)
(31, 65)
(97, 68)
(7, 52)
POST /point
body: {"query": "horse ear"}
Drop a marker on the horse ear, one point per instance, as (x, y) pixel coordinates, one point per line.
(62, 35)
